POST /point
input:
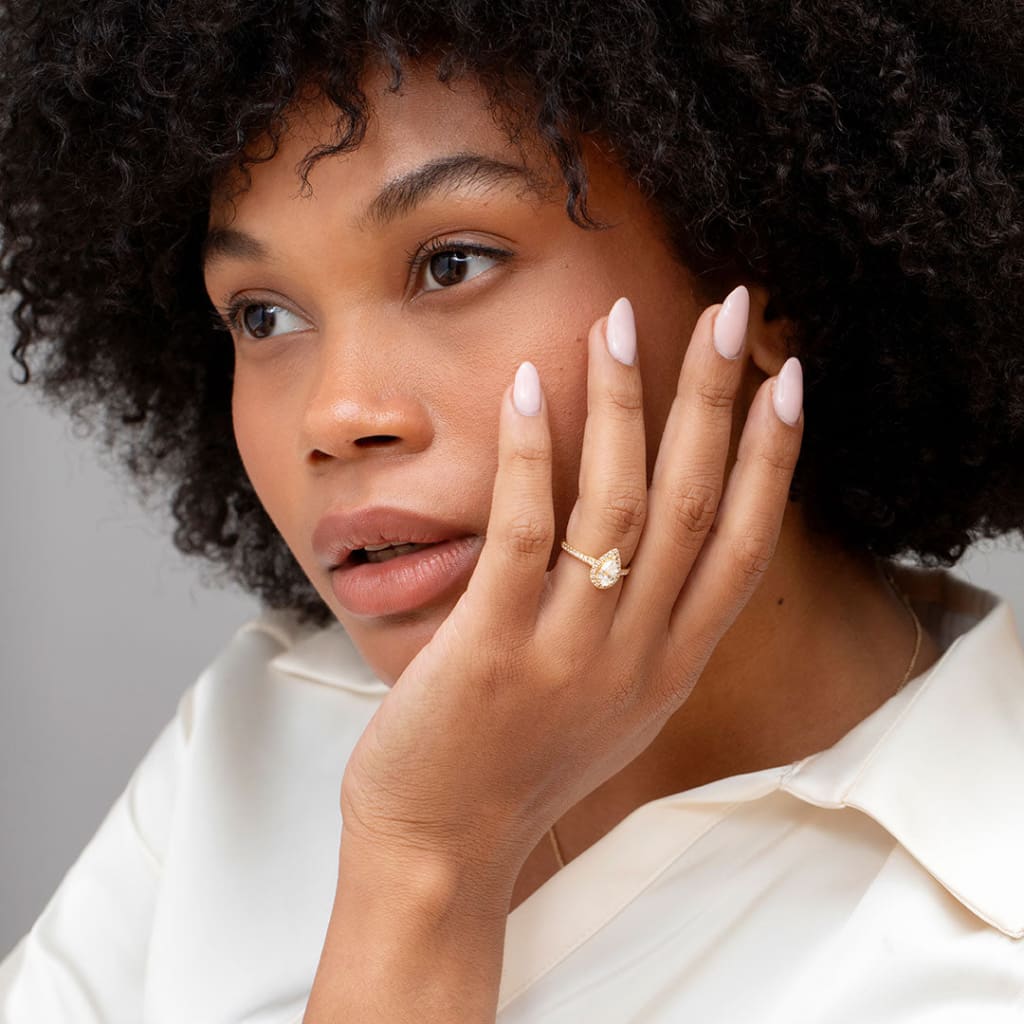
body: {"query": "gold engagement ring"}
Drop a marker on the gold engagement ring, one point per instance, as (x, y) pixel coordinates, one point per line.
(605, 570)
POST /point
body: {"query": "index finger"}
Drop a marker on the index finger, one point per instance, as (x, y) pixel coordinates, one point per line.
(510, 573)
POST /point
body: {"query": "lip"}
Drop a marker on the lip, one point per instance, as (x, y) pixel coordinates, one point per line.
(340, 532)
(400, 584)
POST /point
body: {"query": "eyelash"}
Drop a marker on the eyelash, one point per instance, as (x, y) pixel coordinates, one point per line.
(417, 257)
(229, 318)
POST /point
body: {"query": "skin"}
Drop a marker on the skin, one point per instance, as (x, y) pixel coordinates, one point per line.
(369, 352)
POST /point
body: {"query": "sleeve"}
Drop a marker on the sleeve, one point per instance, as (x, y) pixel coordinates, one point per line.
(83, 961)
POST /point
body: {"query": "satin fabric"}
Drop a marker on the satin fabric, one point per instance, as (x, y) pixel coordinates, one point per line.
(880, 881)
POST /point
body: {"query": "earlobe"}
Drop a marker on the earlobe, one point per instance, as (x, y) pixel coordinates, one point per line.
(766, 339)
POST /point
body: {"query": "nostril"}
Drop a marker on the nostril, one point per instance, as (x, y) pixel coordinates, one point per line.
(375, 439)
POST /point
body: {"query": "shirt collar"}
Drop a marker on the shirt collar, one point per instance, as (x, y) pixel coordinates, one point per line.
(940, 765)
(326, 655)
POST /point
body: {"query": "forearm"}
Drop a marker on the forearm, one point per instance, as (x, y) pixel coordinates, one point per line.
(411, 940)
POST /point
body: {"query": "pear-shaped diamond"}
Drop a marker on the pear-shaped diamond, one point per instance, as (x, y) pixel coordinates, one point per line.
(607, 571)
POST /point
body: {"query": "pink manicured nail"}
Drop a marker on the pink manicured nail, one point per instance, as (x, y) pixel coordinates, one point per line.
(526, 390)
(788, 392)
(620, 331)
(730, 327)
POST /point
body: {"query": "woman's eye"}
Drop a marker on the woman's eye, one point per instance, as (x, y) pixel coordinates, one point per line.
(455, 264)
(259, 319)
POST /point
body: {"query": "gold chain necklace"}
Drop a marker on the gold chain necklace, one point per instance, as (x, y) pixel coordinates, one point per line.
(906, 676)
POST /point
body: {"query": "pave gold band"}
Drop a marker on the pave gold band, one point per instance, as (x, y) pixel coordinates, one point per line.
(605, 570)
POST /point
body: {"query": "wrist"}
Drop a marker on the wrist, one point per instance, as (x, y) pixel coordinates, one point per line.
(412, 935)
(438, 882)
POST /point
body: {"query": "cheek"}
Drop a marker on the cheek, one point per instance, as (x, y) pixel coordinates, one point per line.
(258, 435)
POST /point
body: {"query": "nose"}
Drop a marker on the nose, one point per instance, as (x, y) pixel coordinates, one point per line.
(355, 413)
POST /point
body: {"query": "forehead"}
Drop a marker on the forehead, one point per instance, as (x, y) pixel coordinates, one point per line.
(424, 120)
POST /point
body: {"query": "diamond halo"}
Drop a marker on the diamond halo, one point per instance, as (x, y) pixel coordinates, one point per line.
(605, 571)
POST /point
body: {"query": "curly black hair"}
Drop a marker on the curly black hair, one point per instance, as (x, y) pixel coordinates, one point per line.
(861, 159)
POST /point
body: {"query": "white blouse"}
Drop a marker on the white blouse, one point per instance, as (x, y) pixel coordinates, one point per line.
(878, 881)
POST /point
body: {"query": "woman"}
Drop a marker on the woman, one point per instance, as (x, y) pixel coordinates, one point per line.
(631, 715)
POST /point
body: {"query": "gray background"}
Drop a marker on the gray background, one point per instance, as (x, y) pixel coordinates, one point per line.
(104, 626)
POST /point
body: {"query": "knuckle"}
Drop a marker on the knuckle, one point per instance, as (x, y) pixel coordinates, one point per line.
(676, 688)
(508, 663)
(625, 402)
(754, 551)
(778, 461)
(714, 397)
(530, 455)
(563, 662)
(623, 696)
(625, 512)
(694, 506)
(529, 535)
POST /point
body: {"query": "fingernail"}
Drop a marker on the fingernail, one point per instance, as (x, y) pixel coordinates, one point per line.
(730, 327)
(788, 391)
(620, 331)
(526, 390)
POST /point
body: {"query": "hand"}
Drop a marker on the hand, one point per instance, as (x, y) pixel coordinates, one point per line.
(538, 687)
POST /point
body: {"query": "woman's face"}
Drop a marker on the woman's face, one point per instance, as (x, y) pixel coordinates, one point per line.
(370, 390)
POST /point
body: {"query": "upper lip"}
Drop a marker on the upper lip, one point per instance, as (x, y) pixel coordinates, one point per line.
(340, 532)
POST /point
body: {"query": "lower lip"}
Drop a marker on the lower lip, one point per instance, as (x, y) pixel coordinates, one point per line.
(406, 582)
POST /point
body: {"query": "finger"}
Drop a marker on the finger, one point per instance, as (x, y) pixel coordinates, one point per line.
(509, 576)
(687, 481)
(742, 543)
(611, 507)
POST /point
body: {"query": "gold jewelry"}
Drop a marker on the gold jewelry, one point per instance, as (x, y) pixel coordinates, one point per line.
(554, 843)
(906, 677)
(917, 631)
(604, 571)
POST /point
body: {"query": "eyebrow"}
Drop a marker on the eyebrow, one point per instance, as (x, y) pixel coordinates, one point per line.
(230, 243)
(403, 194)
(397, 198)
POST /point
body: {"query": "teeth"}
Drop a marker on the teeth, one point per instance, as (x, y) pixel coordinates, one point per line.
(388, 551)
(376, 547)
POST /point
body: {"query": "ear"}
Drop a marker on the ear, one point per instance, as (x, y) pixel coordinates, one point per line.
(766, 339)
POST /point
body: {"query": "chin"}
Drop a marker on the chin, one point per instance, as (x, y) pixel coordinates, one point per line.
(387, 644)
